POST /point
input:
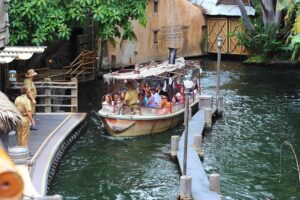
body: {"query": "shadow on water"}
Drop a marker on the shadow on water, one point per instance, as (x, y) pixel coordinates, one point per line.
(261, 111)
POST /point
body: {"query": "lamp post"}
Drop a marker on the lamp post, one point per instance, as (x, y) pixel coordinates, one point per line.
(219, 43)
(188, 84)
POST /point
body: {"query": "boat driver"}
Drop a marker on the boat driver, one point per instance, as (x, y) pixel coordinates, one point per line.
(131, 96)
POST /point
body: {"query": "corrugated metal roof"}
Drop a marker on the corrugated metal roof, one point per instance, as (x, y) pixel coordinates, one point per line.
(227, 10)
(8, 54)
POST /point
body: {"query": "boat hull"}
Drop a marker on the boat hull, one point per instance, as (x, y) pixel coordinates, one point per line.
(116, 126)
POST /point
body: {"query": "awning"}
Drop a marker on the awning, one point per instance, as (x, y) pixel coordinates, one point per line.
(8, 54)
(146, 71)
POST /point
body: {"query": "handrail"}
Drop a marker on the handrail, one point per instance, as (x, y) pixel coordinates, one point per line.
(47, 94)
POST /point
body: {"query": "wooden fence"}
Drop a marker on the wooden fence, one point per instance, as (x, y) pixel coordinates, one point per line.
(52, 96)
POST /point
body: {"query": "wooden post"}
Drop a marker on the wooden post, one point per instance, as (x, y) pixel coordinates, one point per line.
(214, 183)
(198, 146)
(174, 146)
(74, 93)
(186, 187)
(208, 117)
(47, 108)
(220, 106)
(198, 141)
(205, 101)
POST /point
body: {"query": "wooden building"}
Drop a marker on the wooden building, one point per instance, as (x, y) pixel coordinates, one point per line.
(180, 24)
(223, 17)
(171, 23)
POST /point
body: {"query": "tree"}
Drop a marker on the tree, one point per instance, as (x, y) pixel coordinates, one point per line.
(271, 13)
(36, 22)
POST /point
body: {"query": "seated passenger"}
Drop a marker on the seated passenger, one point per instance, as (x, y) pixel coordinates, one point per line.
(180, 97)
(107, 100)
(157, 97)
(108, 103)
(165, 106)
(151, 100)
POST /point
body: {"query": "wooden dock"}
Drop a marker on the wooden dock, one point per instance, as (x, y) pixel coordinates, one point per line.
(200, 182)
(53, 129)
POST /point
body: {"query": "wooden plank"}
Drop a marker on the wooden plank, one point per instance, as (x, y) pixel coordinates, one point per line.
(200, 182)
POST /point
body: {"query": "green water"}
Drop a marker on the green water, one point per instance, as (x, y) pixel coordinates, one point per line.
(262, 109)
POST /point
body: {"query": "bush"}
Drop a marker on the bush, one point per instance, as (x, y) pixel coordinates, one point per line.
(262, 41)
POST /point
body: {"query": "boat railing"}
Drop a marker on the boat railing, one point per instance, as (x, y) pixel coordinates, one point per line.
(136, 110)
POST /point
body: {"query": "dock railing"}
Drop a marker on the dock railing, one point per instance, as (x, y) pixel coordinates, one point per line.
(54, 95)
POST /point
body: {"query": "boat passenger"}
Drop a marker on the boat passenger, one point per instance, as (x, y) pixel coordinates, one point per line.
(146, 88)
(161, 92)
(180, 97)
(107, 100)
(157, 97)
(165, 106)
(151, 102)
(131, 96)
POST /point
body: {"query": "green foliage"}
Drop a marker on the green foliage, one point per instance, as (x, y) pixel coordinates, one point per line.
(256, 59)
(267, 42)
(262, 41)
(40, 21)
(203, 42)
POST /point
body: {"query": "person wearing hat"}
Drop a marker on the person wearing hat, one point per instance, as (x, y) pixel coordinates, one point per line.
(24, 107)
(131, 96)
(28, 82)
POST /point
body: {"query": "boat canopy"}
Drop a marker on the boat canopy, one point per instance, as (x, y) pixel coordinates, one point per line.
(146, 71)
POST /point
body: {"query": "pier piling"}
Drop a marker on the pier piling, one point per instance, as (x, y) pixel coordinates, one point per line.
(220, 105)
(214, 183)
(186, 187)
(174, 146)
(208, 117)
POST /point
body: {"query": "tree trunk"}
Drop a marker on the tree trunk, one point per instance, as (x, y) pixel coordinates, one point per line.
(248, 24)
(270, 15)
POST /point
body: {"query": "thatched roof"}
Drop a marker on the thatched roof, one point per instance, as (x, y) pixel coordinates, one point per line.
(9, 115)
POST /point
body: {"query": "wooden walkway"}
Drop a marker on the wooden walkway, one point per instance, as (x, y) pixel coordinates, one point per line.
(53, 128)
(200, 182)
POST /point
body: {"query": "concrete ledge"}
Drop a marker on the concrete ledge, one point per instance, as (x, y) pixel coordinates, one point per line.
(48, 146)
(200, 182)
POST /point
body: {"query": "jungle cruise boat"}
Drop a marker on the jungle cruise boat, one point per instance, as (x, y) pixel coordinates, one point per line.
(145, 117)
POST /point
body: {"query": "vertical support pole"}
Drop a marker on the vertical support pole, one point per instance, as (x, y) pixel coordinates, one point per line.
(186, 131)
(47, 108)
(140, 91)
(218, 68)
(190, 113)
(214, 183)
(185, 187)
(74, 93)
(174, 146)
(208, 117)
(3, 70)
